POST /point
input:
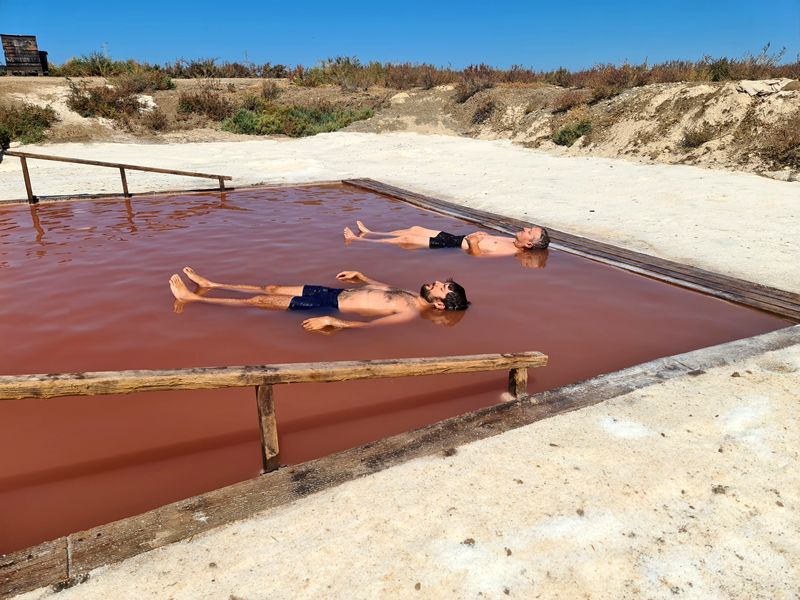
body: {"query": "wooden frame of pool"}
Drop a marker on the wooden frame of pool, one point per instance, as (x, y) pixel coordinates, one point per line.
(68, 559)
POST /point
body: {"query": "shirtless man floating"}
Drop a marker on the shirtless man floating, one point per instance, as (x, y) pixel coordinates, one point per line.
(389, 304)
(479, 243)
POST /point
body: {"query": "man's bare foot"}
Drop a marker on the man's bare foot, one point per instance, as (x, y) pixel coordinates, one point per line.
(201, 281)
(349, 236)
(362, 228)
(179, 289)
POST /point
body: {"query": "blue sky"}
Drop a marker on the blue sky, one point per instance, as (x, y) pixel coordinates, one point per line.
(541, 35)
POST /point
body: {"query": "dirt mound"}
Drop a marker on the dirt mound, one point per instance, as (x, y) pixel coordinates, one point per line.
(748, 125)
(751, 126)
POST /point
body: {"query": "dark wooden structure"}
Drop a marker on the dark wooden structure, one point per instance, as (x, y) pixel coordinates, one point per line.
(23, 56)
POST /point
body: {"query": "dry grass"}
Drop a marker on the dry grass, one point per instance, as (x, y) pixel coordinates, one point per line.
(781, 143)
(694, 137)
(206, 102)
(483, 112)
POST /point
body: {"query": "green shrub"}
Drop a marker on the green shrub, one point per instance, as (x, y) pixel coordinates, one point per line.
(205, 102)
(294, 121)
(244, 121)
(5, 139)
(697, 136)
(569, 133)
(25, 123)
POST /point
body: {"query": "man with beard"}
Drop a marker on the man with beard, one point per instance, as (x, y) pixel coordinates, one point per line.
(390, 305)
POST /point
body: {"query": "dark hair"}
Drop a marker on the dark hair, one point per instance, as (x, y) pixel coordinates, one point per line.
(456, 298)
(543, 241)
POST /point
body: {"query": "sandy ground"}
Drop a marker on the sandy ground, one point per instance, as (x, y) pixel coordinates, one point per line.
(689, 488)
(733, 223)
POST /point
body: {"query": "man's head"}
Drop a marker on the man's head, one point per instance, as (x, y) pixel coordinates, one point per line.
(532, 238)
(446, 295)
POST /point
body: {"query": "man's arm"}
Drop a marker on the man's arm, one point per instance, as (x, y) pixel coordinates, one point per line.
(358, 277)
(473, 242)
(320, 323)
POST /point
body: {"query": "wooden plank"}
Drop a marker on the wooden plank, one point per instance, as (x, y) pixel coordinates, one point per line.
(33, 567)
(26, 176)
(128, 537)
(13, 387)
(268, 427)
(99, 163)
(517, 382)
(774, 300)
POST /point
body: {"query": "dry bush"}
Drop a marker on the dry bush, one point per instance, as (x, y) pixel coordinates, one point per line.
(781, 143)
(102, 101)
(483, 112)
(139, 82)
(694, 137)
(155, 120)
(270, 90)
(474, 79)
(568, 100)
(205, 102)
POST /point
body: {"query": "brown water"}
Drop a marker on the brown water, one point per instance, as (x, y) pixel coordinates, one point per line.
(83, 287)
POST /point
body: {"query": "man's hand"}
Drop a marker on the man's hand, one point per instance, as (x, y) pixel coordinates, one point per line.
(476, 237)
(322, 323)
(352, 277)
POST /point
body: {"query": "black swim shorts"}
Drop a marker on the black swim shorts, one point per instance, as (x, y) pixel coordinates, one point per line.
(316, 296)
(446, 240)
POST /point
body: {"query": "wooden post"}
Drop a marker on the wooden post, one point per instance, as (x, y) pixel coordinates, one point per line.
(221, 183)
(268, 427)
(124, 182)
(27, 177)
(517, 382)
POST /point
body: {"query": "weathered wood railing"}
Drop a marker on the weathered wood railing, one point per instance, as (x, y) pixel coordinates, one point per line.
(263, 377)
(24, 156)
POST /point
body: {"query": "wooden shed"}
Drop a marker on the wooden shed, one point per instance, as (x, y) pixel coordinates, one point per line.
(23, 56)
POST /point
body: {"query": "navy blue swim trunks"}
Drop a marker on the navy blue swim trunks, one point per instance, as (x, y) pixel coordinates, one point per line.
(446, 240)
(316, 296)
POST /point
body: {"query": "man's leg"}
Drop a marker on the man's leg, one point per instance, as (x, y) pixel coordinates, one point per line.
(416, 230)
(406, 240)
(182, 293)
(280, 290)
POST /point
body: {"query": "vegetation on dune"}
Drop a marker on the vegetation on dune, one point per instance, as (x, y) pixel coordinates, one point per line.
(694, 137)
(294, 121)
(26, 123)
(604, 80)
(569, 133)
(781, 144)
